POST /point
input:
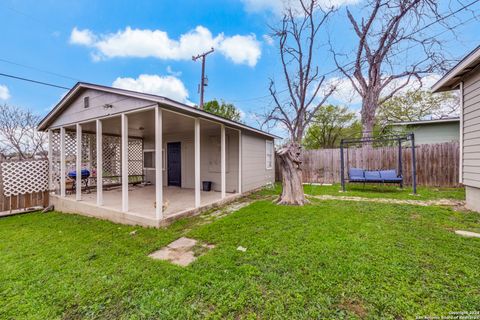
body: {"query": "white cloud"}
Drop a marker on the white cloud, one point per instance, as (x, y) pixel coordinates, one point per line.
(346, 94)
(268, 39)
(82, 37)
(344, 91)
(241, 49)
(278, 6)
(166, 86)
(144, 43)
(173, 73)
(4, 92)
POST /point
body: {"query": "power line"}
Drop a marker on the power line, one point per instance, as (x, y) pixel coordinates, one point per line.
(38, 69)
(31, 17)
(34, 81)
(241, 100)
(403, 50)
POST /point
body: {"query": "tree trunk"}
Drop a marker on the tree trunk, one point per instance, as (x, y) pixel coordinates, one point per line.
(369, 109)
(367, 128)
(290, 165)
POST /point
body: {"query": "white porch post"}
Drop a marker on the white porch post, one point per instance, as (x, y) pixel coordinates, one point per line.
(99, 163)
(78, 164)
(50, 160)
(124, 162)
(222, 160)
(62, 162)
(197, 162)
(158, 164)
(239, 161)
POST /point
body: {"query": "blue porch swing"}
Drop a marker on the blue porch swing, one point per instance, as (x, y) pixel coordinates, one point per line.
(394, 176)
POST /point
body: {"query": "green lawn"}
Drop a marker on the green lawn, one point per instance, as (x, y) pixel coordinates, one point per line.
(380, 191)
(329, 259)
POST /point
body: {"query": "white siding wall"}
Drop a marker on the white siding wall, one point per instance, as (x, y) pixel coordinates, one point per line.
(254, 172)
(471, 130)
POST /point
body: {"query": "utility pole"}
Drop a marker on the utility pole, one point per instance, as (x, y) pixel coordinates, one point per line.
(203, 82)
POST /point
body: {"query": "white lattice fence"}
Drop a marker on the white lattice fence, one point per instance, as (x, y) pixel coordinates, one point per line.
(21, 177)
(23, 185)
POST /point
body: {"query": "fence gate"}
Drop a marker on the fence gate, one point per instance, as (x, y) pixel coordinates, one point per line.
(24, 185)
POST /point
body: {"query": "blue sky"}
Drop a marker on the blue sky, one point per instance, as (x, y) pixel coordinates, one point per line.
(137, 44)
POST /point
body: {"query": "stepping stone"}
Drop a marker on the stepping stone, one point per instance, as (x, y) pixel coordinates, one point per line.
(468, 234)
(181, 251)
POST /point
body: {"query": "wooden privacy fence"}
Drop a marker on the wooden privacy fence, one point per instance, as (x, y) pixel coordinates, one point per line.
(23, 185)
(437, 164)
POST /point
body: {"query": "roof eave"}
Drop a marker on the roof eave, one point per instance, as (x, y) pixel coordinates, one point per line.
(452, 78)
(408, 123)
(43, 125)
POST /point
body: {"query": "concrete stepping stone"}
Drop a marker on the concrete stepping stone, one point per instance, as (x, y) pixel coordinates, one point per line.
(182, 251)
(468, 234)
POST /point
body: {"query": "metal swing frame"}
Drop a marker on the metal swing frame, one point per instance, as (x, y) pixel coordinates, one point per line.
(400, 139)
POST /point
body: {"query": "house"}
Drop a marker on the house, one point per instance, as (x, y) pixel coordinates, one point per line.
(431, 131)
(465, 77)
(146, 159)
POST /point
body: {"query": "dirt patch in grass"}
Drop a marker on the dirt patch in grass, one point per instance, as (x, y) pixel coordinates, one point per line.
(354, 306)
(224, 211)
(423, 203)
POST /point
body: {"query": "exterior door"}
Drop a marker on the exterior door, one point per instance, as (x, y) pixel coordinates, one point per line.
(174, 164)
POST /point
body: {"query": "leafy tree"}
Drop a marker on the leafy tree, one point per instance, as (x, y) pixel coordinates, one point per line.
(417, 105)
(329, 125)
(223, 109)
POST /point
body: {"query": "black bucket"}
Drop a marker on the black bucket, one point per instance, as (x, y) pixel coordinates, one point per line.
(207, 185)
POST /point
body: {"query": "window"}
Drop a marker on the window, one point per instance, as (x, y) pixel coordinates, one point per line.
(86, 102)
(149, 159)
(269, 154)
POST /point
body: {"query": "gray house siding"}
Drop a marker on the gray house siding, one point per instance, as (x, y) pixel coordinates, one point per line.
(254, 171)
(76, 112)
(471, 130)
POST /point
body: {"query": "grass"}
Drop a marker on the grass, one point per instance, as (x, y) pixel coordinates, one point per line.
(329, 259)
(379, 191)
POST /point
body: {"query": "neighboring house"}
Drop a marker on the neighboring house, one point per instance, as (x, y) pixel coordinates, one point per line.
(148, 156)
(431, 131)
(465, 77)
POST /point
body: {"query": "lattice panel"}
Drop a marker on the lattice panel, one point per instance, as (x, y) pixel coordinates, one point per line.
(111, 153)
(135, 157)
(56, 160)
(112, 156)
(22, 177)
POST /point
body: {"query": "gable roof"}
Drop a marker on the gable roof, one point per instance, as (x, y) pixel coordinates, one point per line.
(452, 78)
(172, 104)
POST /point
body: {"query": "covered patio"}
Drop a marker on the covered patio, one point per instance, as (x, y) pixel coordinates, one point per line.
(177, 201)
(143, 166)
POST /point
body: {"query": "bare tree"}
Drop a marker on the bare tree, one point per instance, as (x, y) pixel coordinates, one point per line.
(19, 137)
(392, 50)
(305, 89)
